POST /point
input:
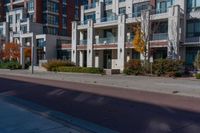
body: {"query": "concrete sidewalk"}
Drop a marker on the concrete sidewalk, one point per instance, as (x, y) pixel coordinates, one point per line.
(181, 86)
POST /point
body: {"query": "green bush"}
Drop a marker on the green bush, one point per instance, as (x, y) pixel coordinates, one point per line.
(133, 67)
(198, 76)
(167, 67)
(10, 65)
(79, 70)
(54, 64)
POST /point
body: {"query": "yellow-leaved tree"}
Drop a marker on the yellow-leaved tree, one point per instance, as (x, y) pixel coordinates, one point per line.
(138, 41)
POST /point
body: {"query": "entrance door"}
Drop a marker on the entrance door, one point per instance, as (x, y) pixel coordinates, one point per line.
(85, 59)
(107, 57)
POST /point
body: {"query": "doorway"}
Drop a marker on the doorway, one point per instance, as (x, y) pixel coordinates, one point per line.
(107, 59)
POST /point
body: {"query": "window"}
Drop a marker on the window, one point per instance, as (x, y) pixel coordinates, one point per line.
(193, 28)
(31, 5)
(138, 8)
(193, 5)
(122, 10)
(10, 19)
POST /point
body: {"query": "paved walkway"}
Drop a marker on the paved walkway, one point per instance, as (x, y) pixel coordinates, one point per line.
(15, 119)
(181, 86)
(21, 116)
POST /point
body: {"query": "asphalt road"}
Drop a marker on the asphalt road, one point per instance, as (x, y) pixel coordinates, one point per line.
(102, 108)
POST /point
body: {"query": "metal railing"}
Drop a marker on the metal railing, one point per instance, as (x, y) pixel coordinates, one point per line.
(160, 36)
(83, 42)
(159, 11)
(108, 19)
(106, 40)
(90, 6)
(193, 39)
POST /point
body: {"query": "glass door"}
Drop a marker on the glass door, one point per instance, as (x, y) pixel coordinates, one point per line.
(107, 64)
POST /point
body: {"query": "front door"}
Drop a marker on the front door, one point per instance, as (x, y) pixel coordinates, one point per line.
(107, 57)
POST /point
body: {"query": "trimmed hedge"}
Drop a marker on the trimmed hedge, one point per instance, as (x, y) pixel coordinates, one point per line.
(53, 64)
(79, 70)
(10, 65)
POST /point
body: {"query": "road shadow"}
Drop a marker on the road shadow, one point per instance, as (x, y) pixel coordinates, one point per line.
(117, 114)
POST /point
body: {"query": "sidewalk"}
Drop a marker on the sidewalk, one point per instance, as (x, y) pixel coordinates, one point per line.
(182, 86)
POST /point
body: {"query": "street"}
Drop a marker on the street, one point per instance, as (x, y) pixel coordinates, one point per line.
(76, 107)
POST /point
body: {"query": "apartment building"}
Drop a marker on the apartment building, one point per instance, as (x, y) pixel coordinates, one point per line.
(44, 24)
(103, 38)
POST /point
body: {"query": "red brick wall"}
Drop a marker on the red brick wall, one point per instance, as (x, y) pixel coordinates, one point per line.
(2, 11)
(70, 16)
(60, 16)
(38, 9)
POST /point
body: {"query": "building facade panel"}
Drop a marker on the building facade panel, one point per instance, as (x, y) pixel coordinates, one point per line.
(171, 29)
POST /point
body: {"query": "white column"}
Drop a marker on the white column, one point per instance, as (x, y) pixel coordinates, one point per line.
(99, 11)
(129, 7)
(145, 27)
(82, 13)
(96, 60)
(81, 58)
(90, 38)
(173, 32)
(121, 42)
(81, 35)
(74, 42)
(115, 7)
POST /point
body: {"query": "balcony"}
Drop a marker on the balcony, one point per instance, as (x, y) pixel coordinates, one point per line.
(108, 2)
(159, 11)
(83, 42)
(160, 36)
(90, 6)
(193, 39)
(108, 19)
(110, 40)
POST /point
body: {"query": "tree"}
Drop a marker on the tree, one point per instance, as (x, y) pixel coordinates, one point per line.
(144, 30)
(138, 41)
(11, 51)
(197, 61)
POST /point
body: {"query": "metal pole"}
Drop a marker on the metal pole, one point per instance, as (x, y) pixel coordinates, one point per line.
(33, 59)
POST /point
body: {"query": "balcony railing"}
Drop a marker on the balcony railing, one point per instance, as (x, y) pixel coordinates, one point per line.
(193, 39)
(108, 19)
(158, 11)
(133, 15)
(83, 42)
(108, 2)
(106, 40)
(160, 36)
(90, 6)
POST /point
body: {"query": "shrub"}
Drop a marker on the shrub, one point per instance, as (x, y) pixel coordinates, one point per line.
(79, 69)
(133, 67)
(169, 67)
(10, 65)
(198, 76)
(54, 64)
(14, 65)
